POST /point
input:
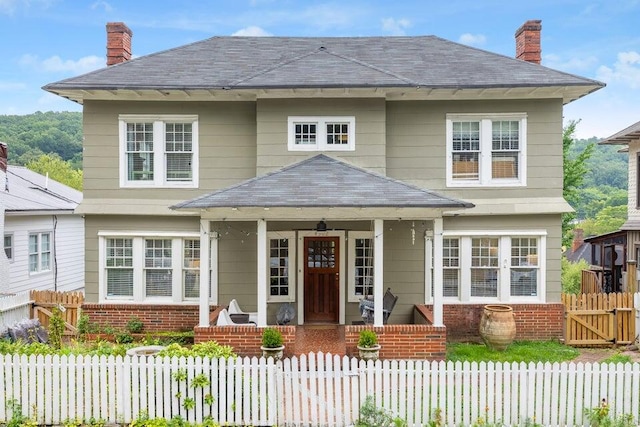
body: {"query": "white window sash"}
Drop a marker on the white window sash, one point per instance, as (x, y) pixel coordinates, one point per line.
(321, 133)
(485, 178)
(351, 261)
(159, 150)
(292, 250)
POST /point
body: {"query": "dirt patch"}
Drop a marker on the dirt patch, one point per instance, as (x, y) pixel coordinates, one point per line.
(600, 354)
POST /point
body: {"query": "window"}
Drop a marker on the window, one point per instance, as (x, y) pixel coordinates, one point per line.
(489, 151)
(281, 266)
(360, 269)
(158, 151)
(149, 267)
(482, 266)
(8, 246)
(637, 181)
(39, 252)
(322, 133)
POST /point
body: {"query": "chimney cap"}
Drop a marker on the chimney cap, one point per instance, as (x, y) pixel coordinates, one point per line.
(530, 25)
(118, 27)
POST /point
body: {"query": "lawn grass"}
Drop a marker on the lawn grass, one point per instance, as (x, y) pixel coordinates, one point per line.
(519, 351)
(618, 358)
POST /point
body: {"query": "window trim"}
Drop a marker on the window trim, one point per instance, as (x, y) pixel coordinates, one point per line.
(637, 180)
(351, 258)
(485, 156)
(504, 288)
(321, 136)
(138, 248)
(159, 151)
(291, 236)
(39, 253)
(11, 248)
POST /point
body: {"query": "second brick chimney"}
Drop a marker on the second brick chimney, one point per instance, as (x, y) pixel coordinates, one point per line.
(118, 43)
(528, 41)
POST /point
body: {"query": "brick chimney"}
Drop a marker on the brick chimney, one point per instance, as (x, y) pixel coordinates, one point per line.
(528, 41)
(578, 239)
(118, 43)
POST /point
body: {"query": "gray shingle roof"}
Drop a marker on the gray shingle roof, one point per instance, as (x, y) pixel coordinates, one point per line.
(624, 136)
(296, 62)
(30, 191)
(322, 181)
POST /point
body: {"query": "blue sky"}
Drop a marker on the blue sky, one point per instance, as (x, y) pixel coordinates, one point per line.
(47, 40)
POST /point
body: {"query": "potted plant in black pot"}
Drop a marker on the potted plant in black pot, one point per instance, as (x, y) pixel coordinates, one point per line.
(368, 345)
(272, 344)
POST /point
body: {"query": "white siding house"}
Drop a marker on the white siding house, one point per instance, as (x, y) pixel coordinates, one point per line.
(43, 238)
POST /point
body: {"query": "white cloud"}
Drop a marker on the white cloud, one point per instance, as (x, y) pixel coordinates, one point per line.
(103, 4)
(473, 39)
(56, 64)
(252, 31)
(570, 65)
(395, 27)
(9, 7)
(626, 70)
(11, 86)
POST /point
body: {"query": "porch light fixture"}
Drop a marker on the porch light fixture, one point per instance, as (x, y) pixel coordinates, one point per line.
(321, 226)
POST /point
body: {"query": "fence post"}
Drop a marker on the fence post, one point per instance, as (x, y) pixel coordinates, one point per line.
(632, 273)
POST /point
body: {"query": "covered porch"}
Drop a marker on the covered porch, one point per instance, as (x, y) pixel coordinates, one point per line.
(319, 236)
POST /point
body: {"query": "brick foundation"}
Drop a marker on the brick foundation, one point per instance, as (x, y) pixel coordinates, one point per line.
(245, 340)
(533, 321)
(156, 318)
(402, 341)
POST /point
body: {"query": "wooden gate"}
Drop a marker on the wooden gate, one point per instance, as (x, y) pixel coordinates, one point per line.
(599, 319)
(69, 304)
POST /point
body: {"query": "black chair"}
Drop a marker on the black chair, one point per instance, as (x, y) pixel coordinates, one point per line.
(388, 302)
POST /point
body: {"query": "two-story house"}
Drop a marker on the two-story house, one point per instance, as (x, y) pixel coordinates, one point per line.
(317, 171)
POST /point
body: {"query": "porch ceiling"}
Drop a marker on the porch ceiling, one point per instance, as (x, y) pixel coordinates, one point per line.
(322, 182)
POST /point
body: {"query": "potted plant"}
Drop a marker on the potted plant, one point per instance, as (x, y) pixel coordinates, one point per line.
(272, 344)
(368, 345)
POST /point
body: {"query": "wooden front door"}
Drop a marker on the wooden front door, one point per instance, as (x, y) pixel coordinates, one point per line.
(321, 279)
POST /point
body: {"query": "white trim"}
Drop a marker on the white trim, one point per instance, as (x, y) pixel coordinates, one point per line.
(12, 247)
(378, 271)
(291, 237)
(509, 233)
(159, 152)
(438, 316)
(205, 271)
(262, 252)
(351, 258)
(116, 233)
(321, 133)
(428, 266)
(213, 266)
(301, 264)
(485, 156)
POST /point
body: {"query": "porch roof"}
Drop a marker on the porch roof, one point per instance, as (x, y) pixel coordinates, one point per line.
(322, 181)
(624, 136)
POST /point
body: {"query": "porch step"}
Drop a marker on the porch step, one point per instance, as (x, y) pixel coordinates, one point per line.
(324, 338)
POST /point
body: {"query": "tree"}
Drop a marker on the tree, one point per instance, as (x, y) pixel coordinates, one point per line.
(575, 169)
(57, 169)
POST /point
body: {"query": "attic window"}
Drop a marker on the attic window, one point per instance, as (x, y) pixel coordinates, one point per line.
(321, 133)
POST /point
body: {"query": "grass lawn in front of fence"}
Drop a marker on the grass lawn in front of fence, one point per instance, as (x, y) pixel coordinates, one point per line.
(518, 351)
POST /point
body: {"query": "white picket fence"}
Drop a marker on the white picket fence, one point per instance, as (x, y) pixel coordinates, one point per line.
(14, 308)
(311, 390)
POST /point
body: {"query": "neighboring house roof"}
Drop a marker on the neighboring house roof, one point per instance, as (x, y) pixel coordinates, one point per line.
(30, 191)
(582, 252)
(322, 181)
(624, 136)
(225, 63)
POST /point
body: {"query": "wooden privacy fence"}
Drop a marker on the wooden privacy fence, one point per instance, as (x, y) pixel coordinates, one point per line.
(599, 319)
(69, 304)
(591, 282)
(311, 390)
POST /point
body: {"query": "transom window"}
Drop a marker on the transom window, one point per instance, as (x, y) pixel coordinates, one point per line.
(39, 252)
(497, 267)
(321, 133)
(159, 151)
(486, 151)
(281, 266)
(149, 268)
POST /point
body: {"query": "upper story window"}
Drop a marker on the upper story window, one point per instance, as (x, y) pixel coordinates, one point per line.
(486, 150)
(322, 133)
(39, 252)
(8, 246)
(158, 151)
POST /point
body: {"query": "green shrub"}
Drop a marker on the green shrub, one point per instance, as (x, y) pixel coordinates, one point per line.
(124, 338)
(368, 338)
(135, 325)
(209, 349)
(56, 328)
(272, 338)
(571, 276)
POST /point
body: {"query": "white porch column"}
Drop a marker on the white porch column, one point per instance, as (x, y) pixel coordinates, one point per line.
(378, 279)
(437, 273)
(262, 273)
(204, 273)
(428, 267)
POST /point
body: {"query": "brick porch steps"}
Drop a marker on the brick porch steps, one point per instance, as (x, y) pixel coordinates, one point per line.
(324, 338)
